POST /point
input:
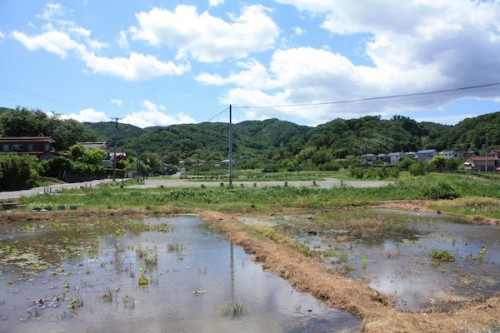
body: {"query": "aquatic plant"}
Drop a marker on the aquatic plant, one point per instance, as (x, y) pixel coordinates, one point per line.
(233, 309)
(441, 256)
(143, 281)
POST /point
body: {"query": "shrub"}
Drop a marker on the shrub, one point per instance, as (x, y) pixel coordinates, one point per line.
(439, 190)
(418, 169)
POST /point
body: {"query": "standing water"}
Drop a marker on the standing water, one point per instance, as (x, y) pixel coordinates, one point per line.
(158, 275)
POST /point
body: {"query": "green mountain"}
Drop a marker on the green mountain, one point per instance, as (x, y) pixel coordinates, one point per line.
(267, 141)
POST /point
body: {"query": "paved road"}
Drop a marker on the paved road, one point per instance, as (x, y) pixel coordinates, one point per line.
(176, 182)
(49, 189)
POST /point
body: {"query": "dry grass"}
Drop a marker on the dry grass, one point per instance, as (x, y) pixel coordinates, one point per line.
(377, 310)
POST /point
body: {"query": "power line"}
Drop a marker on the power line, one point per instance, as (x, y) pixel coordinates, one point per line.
(435, 92)
(218, 114)
(13, 88)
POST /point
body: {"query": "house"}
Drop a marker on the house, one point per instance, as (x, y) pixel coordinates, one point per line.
(425, 155)
(485, 163)
(40, 146)
(367, 159)
(395, 157)
(447, 154)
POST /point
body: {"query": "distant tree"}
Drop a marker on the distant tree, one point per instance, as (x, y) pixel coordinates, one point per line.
(18, 171)
(418, 169)
(437, 163)
(26, 122)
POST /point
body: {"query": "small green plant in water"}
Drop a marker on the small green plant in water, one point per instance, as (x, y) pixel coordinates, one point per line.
(442, 256)
(233, 309)
(143, 281)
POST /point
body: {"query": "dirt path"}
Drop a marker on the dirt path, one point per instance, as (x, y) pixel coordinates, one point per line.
(376, 309)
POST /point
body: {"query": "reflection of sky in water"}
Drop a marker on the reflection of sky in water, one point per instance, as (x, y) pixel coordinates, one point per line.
(203, 261)
(404, 267)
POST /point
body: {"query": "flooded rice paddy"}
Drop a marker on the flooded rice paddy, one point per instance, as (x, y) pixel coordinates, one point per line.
(155, 275)
(437, 261)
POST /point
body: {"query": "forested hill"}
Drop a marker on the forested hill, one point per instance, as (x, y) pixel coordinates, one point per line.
(270, 139)
(339, 137)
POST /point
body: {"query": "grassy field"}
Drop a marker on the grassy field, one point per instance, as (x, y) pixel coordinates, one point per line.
(455, 193)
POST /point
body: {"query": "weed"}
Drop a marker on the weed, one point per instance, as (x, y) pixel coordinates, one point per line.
(442, 256)
(233, 309)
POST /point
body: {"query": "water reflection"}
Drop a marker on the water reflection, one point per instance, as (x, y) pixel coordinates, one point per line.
(89, 281)
(404, 267)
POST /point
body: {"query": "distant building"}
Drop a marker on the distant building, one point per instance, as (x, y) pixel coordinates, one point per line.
(367, 159)
(491, 162)
(425, 155)
(447, 154)
(396, 157)
(39, 146)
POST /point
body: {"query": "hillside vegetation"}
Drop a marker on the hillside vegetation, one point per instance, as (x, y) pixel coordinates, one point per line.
(260, 143)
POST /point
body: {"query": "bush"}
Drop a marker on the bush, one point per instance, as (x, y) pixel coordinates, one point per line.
(418, 169)
(270, 168)
(356, 172)
(439, 190)
(330, 166)
(18, 172)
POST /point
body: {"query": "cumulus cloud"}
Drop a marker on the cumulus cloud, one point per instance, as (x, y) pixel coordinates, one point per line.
(135, 67)
(152, 114)
(415, 46)
(215, 3)
(63, 37)
(205, 37)
(87, 115)
(2, 35)
(117, 102)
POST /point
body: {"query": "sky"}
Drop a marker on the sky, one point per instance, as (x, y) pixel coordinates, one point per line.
(165, 62)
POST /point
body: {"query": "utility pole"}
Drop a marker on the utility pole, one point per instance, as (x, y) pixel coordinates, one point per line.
(114, 148)
(230, 147)
(486, 154)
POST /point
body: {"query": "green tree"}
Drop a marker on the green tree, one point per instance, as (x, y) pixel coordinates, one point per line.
(437, 163)
(18, 171)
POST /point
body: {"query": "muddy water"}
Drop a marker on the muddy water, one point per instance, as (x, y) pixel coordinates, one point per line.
(404, 267)
(74, 278)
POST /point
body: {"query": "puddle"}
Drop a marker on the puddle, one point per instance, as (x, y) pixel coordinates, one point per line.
(391, 252)
(402, 265)
(157, 275)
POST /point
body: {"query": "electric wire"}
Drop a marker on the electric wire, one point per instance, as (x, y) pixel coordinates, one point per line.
(218, 114)
(435, 92)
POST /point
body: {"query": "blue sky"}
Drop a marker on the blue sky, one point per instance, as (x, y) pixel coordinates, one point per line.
(164, 62)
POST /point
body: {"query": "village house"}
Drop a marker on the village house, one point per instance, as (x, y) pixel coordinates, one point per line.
(425, 155)
(490, 162)
(39, 146)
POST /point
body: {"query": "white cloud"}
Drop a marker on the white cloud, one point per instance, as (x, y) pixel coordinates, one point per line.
(87, 115)
(254, 76)
(2, 35)
(51, 41)
(416, 46)
(151, 115)
(205, 37)
(215, 3)
(123, 40)
(63, 37)
(117, 102)
(134, 68)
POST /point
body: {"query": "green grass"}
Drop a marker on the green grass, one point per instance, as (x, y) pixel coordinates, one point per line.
(247, 199)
